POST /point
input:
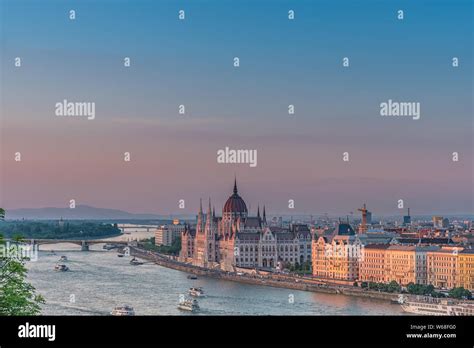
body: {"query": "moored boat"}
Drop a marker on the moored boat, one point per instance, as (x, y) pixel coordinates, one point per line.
(123, 311)
(423, 305)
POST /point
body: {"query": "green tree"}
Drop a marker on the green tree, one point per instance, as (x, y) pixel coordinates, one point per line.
(393, 286)
(460, 293)
(420, 289)
(17, 296)
(429, 289)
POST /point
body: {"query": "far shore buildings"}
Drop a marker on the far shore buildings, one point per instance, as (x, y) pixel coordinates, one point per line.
(383, 263)
(236, 239)
(344, 256)
(466, 269)
(166, 234)
(451, 267)
(336, 255)
(444, 267)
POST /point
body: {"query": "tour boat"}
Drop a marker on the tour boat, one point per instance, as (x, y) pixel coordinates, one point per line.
(192, 276)
(123, 311)
(196, 292)
(61, 268)
(437, 307)
(135, 262)
(190, 305)
(63, 258)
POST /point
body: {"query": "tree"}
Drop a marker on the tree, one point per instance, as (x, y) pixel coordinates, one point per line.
(420, 289)
(176, 245)
(393, 286)
(460, 293)
(17, 297)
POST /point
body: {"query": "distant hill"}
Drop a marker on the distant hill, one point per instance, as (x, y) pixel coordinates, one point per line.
(80, 212)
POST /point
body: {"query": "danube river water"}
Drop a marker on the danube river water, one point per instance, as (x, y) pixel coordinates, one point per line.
(98, 280)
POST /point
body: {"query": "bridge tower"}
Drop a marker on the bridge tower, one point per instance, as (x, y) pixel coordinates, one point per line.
(84, 246)
(34, 244)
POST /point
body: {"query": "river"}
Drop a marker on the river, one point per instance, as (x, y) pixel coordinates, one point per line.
(98, 280)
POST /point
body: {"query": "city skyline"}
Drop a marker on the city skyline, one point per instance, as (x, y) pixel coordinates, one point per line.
(253, 208)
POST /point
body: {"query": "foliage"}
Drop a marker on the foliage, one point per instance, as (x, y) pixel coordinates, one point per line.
(391, 287)
(303, 268)
(420, 289)
(174, 249)
(17, 297)
(53, 230)
(460, 293)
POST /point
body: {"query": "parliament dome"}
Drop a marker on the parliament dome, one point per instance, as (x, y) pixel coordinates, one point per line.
(235, 204)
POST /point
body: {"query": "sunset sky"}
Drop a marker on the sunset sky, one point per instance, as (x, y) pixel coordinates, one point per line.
(283, 62)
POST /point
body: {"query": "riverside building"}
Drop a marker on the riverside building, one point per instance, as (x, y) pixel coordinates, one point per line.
(236, 239)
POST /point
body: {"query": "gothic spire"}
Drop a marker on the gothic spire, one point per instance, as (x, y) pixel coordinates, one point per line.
(209, 212)
(200, 221)
(235, 185)
(264, 215)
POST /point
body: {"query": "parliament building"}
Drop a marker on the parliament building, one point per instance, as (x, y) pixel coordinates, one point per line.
(236, 239)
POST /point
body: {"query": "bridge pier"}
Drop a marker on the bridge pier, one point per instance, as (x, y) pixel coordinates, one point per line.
(84, 246)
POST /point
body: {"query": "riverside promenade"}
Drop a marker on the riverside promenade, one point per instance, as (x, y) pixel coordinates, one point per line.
(274, 280)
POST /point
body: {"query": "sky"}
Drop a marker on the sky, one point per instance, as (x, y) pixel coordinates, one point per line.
(282, 62)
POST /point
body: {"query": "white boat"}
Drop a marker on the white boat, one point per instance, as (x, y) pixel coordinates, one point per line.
(61, 268)
(196, 292)
(135, 262)
(63, 258)
(438, 307)
(123, 311)
(190, 305)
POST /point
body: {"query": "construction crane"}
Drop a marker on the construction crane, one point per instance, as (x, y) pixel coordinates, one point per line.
(363, 225)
